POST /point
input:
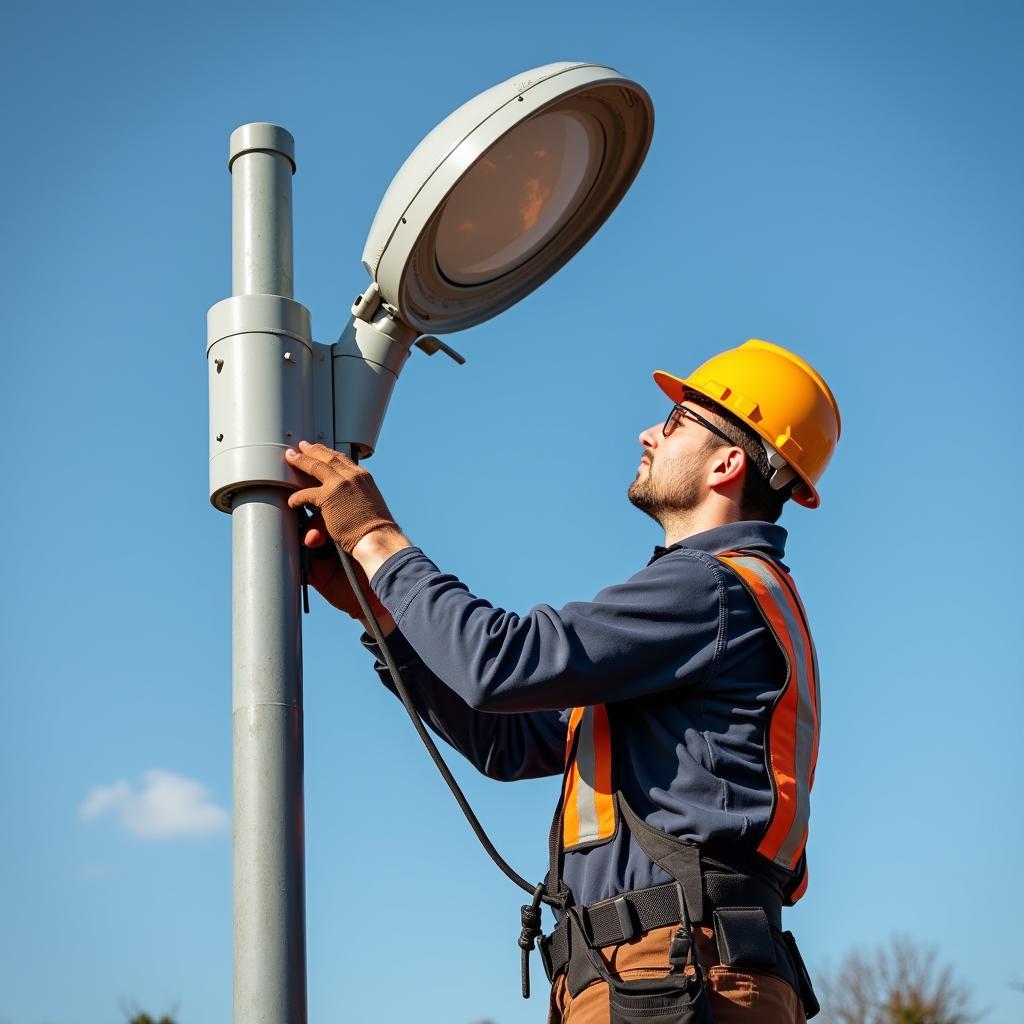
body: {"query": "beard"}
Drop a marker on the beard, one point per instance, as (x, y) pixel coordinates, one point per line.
(658, 498)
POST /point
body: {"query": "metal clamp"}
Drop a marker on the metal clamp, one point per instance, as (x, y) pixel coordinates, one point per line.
(261, 364)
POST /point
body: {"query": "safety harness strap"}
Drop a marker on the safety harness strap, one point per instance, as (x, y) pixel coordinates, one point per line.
(742, 910)
(556, 888)
(679, 860)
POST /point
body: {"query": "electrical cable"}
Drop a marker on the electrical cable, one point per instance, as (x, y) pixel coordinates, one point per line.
(535, 891)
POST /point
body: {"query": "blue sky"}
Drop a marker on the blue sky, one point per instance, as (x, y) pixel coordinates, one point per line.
(840, 178)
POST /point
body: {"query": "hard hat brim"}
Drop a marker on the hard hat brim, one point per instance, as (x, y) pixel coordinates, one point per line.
(676, 388)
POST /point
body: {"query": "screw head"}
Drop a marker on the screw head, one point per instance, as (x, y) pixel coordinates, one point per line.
(288, 357)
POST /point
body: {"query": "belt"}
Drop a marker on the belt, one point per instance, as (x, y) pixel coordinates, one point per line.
(623, 917)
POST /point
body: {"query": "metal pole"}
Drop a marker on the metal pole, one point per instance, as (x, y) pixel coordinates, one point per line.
(268, 844)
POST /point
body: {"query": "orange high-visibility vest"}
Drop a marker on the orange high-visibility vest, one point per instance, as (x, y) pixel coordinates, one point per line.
(791, 746)
(588, 800)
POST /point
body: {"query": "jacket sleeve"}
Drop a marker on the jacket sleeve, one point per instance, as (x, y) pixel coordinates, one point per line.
(662, 629)
(504, 747)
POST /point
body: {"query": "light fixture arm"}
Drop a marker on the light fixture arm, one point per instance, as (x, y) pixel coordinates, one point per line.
(366, 361)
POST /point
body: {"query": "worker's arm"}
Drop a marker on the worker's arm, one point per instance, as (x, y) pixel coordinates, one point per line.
(504, 747)
(661, 630)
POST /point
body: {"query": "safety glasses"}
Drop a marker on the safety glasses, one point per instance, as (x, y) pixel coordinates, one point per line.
(682, 412)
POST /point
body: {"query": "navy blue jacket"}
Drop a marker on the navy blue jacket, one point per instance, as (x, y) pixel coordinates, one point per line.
(679, 652)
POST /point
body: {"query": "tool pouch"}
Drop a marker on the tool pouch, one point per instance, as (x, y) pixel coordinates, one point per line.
(677, 999)
(744, 938)
(804, 986)
(680, 997)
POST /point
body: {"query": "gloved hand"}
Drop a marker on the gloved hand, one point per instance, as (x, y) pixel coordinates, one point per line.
(347, 497)
(327, 575)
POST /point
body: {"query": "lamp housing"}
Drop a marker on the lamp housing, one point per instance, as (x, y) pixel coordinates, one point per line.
(504, 191)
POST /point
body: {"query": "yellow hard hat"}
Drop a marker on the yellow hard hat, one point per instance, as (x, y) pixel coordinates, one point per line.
(780, 397)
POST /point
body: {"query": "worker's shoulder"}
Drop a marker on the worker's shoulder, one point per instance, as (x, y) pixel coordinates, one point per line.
(678, 574)
(690, 562)
(695, 562)
(694, 576)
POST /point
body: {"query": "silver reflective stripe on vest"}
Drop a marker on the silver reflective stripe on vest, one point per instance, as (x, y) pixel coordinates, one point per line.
(586, 767)
(806, 684)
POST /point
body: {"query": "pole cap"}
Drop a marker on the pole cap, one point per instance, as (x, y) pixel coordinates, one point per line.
(261, 137)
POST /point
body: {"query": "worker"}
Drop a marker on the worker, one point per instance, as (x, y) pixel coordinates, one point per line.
(681, 707)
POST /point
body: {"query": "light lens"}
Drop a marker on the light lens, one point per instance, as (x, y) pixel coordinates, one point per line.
(518, 195)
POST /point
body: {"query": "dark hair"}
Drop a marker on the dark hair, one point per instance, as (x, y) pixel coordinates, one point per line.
(757, 499)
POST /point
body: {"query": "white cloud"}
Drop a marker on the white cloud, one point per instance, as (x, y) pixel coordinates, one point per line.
(164, 806)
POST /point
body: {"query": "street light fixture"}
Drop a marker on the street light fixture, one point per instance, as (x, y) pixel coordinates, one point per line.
(498, 197)
(492, 202)
(504, 191)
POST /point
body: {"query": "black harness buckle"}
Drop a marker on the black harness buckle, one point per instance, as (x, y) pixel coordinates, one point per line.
(627, 922)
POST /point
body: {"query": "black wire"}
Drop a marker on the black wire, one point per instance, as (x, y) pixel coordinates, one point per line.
(421, 729)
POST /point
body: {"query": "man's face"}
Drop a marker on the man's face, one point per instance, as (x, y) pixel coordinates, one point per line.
(671, 474)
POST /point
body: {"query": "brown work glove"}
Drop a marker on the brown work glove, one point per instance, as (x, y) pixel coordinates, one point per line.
(328, 577)
(347, 497)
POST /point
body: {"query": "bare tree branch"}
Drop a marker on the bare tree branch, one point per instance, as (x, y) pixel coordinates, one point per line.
(900, 983)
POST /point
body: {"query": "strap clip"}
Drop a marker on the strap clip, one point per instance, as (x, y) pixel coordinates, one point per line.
(624, 912)
(680, 950)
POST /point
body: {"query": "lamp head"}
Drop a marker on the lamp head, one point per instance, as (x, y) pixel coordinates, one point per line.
(505, 191)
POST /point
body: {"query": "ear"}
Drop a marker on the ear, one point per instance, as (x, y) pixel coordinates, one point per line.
(727, 467)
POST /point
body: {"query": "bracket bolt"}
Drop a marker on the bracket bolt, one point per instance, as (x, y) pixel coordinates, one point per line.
(219, 363)
(220, 437)
(288, 357)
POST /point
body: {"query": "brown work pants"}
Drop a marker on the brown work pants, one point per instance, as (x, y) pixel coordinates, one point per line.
(736, 995)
